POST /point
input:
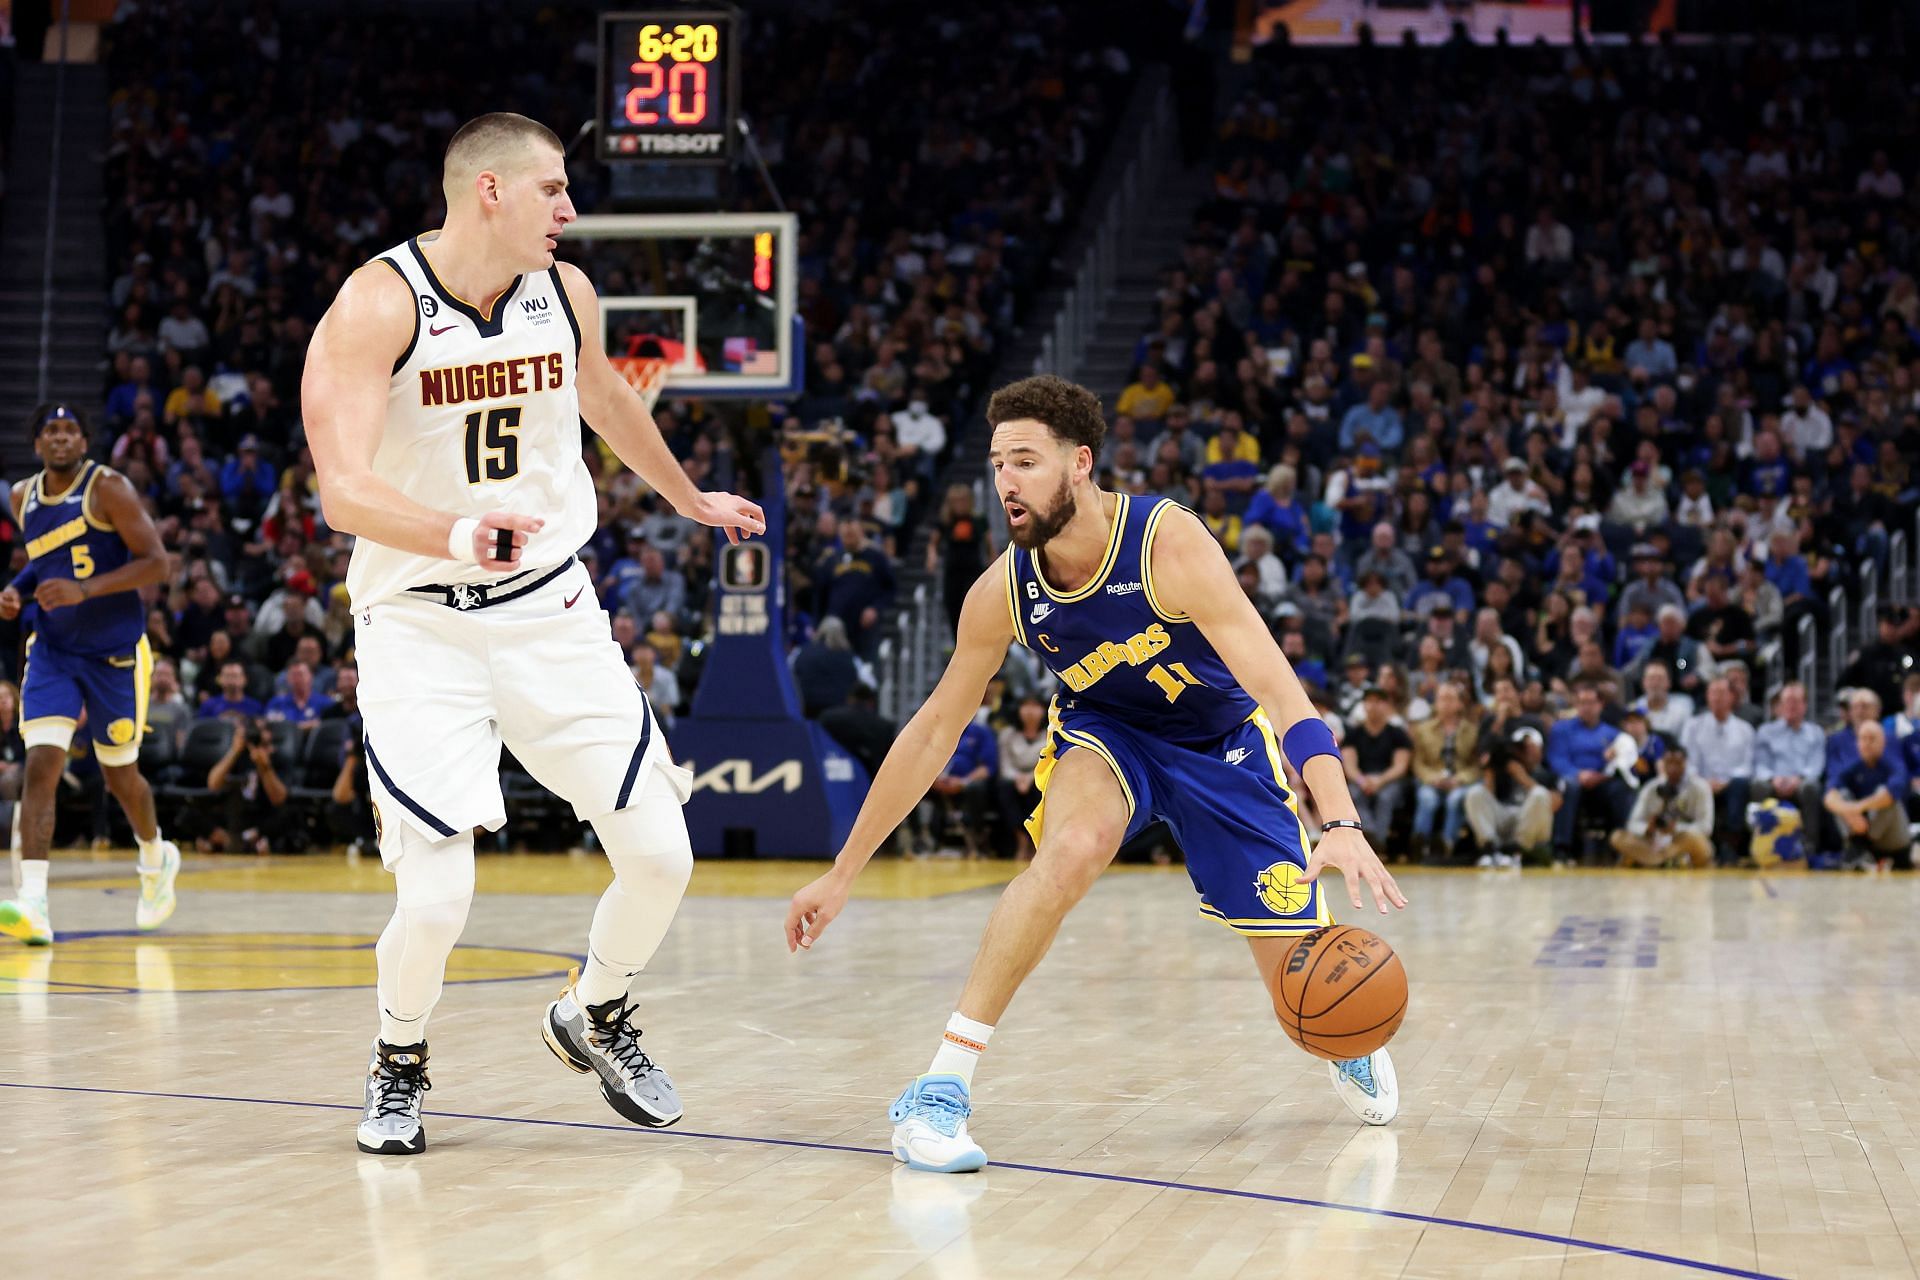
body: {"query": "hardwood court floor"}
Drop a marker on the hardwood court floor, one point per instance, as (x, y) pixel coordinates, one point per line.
(1602, 1075)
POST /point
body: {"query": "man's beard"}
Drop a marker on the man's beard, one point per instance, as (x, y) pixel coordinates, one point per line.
(1042, 527)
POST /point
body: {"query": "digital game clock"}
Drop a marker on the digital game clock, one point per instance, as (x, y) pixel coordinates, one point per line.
(669, 85)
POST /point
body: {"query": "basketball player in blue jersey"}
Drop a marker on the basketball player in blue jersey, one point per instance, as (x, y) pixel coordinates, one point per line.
(90, 548)
(1173, 687)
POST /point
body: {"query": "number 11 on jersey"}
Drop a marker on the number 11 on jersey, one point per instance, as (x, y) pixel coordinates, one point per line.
(1164, 678)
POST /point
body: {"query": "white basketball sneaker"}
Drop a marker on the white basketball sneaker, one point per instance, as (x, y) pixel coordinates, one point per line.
(27, 919)
(930, 1126)
(156, 888)
(1368, 1086)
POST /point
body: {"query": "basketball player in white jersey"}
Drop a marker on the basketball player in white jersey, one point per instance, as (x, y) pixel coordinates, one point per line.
(443, 397)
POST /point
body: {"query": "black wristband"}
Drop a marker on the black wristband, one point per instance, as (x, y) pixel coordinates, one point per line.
(1340, 822)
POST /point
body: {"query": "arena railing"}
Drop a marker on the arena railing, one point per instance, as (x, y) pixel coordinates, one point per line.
(1809, 656)
(1836, 635)
(1869, 600)
(903, 664)
(1900, 568)
(1063, 347)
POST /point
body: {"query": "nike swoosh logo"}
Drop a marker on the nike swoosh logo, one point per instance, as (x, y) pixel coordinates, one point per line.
(573, 597)
(434, 333)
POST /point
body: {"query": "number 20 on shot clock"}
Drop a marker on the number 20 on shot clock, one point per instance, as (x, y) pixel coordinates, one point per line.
(669, 85)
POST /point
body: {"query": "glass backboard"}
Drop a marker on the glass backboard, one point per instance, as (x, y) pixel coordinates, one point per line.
(711, 293)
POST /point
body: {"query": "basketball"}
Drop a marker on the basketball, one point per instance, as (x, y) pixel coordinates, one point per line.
(1340, 993)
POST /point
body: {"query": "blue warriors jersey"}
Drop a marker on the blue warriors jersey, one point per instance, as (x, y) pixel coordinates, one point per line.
(1117, 649)
(67, 538)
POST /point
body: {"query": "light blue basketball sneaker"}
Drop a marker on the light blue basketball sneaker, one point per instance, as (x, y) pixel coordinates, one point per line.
(1368, 1086)
(930, 1126)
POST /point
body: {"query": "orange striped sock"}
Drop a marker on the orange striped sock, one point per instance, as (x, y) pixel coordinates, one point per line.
(960, 1048)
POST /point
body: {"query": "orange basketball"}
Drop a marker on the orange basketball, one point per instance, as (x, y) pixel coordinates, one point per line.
(1340, 992)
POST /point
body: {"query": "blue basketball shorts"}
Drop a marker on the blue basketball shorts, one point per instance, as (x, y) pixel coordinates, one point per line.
(1226, 803)
(110, 688)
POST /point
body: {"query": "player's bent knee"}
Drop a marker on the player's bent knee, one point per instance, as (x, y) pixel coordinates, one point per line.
(647, 842)
(1070, 863)
(430, 873)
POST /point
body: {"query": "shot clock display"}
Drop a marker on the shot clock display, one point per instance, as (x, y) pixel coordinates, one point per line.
(669, 85)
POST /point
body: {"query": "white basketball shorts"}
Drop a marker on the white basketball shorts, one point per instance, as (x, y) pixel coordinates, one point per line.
(447, 675)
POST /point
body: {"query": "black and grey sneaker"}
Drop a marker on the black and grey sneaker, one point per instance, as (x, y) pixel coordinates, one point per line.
(602, 1038)
(396, 1082)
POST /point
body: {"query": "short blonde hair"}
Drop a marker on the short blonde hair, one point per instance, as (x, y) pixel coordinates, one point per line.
(497, 141)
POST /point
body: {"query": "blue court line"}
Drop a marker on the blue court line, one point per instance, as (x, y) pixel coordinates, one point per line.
(1423, 1219)
(1768, 886)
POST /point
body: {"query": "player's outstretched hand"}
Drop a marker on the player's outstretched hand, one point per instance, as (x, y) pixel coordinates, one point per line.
(813, 909)
(1348, 851)
(9, 603)
(730, 512)
(58, 593)
(486, 537)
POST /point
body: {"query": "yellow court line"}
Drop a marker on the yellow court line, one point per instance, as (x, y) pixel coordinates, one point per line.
(580, 872)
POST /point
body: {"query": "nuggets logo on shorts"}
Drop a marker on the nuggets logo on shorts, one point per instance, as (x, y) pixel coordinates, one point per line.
(120, 732)
(1281, 889)
(379, 827)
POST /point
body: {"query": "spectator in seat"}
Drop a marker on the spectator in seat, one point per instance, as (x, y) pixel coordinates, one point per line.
(1516, 494)
(661, 685)
(1651, 588)
(247, 483)
(1021, 744)
(1374, 421)
(965, 787)
(655, 588)
(1378, 756)
(1579, 751)
(855, 583)
(1147, 398)
(1672, 819)
(1881, 665)
(1442, 585)
(1721, 745)
(168, 711)
(1384, 556)
(251, 798)
(232, 701)
(1640, 504)
(1790, 755)
(824, 669)
(1445, 765)
(923, 439)
(1511, 808)
(1903, 743)
(1688, 665)
(1865, 803)
(299, 705)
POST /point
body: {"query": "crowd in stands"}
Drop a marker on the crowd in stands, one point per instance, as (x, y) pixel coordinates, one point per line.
(259, 155)
(1537, 395)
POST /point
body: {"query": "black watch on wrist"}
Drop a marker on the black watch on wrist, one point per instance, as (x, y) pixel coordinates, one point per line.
(1337, 823)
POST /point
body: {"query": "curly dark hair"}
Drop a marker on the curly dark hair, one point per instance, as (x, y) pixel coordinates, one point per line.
(1069, 410)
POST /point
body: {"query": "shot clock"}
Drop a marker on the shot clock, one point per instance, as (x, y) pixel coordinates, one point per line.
(669, 84)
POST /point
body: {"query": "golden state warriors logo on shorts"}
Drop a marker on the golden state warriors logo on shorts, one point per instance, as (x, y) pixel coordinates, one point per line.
(1282, 891)
(120, 732)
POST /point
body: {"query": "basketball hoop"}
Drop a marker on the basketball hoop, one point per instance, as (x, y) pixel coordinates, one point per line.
(645, 374)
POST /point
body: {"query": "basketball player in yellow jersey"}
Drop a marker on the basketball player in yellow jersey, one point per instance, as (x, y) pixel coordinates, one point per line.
(1170, 679)
(443, 396)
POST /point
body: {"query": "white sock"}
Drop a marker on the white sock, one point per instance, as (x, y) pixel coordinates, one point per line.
(33, 878)
(149, 850)
(960, 1049)
(602, 980)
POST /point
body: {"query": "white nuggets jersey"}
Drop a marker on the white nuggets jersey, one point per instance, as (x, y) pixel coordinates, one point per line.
(482, 415)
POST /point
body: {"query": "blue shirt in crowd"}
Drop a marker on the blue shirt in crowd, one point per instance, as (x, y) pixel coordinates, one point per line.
(1572, 746)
